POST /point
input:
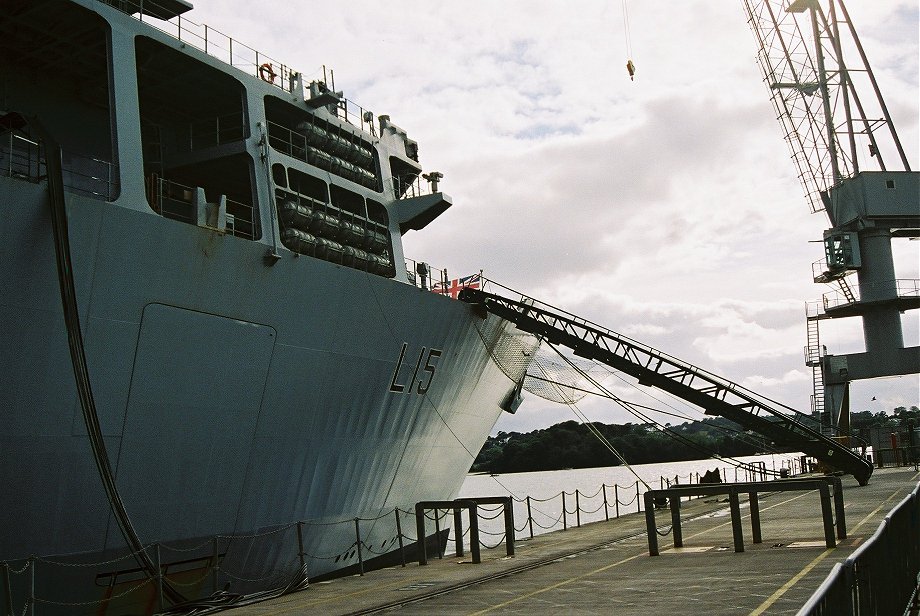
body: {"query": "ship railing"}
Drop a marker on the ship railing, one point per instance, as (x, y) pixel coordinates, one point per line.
(426, 277)
(238, 55)
(24, 158)
(287, 141)
(880, 576)
(242, 218)
(216, 131)
(408, 189)
(903, 287)
(180, 202)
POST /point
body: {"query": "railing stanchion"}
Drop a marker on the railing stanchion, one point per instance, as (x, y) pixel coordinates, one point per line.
(32, 563)
(509, 526)
(399, 535)
(606, 511)
(577, 509)
(616, 498)
(420, 534)
(158, 563)
(474, 533)
(300, 544)
(358, 543)
(565, 525)
(215, 567)
(638, 500)
(437, 532)
(529, 518)
(7, 589)
(458, 530)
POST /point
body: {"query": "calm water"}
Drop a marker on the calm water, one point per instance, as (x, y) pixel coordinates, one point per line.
(545, 490)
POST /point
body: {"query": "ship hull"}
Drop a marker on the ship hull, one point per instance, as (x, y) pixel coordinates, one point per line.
(237, 396)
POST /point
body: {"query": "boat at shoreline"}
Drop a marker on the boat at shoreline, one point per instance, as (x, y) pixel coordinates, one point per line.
(255, 357)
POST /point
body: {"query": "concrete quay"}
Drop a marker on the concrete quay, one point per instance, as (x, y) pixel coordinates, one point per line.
(605, 567)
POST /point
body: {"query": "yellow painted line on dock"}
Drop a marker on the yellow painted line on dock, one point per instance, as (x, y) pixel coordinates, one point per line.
(556, 585)
(792, 582)
(788, 500)
(798, 576)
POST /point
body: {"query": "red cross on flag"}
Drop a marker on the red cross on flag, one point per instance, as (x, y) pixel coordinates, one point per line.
(454, 287)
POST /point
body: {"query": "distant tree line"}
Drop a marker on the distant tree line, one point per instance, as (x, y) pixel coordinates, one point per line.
(573, 445)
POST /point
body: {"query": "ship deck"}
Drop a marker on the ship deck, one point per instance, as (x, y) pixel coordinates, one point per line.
(605, 567)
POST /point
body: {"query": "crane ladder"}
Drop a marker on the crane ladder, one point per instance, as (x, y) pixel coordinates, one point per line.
(714, 394)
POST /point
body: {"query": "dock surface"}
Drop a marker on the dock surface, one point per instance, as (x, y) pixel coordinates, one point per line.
(605, 567)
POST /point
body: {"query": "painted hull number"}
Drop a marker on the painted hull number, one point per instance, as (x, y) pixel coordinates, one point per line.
(422, 374)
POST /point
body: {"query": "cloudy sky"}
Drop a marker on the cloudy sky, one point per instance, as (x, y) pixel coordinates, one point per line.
(666, 208)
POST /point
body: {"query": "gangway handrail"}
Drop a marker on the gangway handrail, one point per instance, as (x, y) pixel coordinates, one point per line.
(716, 395)
(740, 390)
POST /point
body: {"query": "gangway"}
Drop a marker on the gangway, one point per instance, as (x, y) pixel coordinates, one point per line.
(714, 394)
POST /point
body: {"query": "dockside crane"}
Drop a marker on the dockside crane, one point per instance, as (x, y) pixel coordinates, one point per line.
(853, 167)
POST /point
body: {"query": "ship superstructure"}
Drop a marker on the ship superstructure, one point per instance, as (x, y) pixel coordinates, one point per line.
(258, 353)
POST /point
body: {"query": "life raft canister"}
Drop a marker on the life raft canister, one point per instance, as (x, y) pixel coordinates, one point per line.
(267, 73)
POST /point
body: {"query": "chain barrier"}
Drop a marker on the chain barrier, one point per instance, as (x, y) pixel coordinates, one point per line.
(60, 563)
(95, 602)
(216, 568)
(590, 511)
(665, 533)
(259, 535)
(273, 575)
(194, 548)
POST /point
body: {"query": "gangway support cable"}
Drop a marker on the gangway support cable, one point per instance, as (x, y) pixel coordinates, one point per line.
(714, 394)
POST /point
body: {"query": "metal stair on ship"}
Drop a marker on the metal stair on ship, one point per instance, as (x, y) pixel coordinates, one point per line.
(714, 394)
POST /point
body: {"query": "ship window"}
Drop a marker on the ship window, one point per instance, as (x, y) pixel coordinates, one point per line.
(55, 65)
(278, 174)
(348, 201)
(377, 212)
(308, 185)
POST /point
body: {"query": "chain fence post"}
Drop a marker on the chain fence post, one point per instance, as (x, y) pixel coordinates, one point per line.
(565, 525)
(577, 509)
(358, 543)
(7, 589)
(32, 563)
(458, 531)
(159, 581)
(399, 535)
(300, 544)
(606, 511)
(529, 518)
(215, 567)
(616, 498)
(638, 500)
(437, 532)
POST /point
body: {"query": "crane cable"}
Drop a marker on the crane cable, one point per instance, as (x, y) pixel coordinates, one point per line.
(630, 67)
(595, 432)
(630, 407)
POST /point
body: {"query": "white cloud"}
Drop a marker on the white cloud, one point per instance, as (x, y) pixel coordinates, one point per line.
(666, 208)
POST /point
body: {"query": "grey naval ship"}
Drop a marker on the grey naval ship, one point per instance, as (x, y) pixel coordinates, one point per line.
(213, 350)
